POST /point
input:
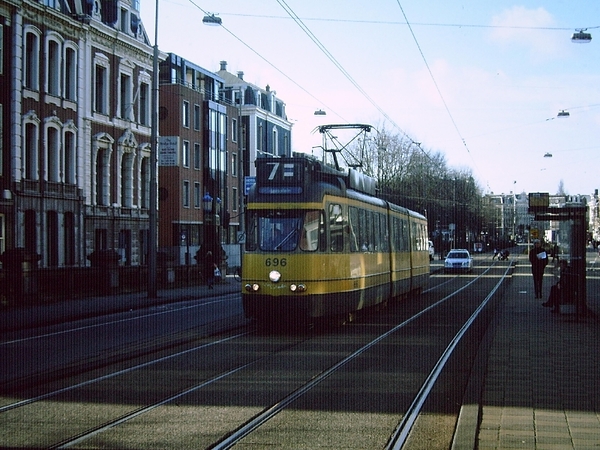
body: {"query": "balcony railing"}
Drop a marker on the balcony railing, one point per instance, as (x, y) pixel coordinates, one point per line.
(49, 188)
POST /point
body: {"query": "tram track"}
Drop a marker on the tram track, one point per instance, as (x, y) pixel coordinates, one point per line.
(268, 410)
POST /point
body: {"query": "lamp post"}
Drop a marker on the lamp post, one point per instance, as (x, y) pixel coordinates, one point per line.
(211, 235)
(152, 210)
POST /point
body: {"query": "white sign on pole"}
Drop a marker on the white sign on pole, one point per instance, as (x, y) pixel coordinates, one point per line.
(168, 151)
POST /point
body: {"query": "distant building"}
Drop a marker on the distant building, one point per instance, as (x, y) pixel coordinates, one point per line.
(266, 129)
(198, 161)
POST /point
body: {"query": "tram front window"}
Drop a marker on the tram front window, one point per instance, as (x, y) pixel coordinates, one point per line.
(281, 231)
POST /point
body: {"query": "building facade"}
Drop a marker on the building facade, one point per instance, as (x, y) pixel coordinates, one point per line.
(75, 134)
(116, 132)
(198, 161)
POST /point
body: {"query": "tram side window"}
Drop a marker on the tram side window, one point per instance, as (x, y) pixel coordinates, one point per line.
(311, 231)
(383, 234)
(400, 234)
(417, 233)
(336, 228)
(352, 228)
(373, 244)
(363, 234)
(397, 224)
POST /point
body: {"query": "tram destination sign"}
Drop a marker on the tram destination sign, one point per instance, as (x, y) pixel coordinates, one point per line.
(280, 176)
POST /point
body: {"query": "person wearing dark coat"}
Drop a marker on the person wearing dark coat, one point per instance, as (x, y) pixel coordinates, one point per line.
(209, 269)
(539, 260)
(563, 286)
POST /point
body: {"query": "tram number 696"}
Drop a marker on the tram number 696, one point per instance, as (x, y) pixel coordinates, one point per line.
(274, 262)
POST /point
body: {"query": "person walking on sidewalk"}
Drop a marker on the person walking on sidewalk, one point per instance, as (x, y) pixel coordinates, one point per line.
(209, 269)
(539, 260)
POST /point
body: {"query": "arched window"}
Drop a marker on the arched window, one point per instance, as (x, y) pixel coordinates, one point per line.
(70, 157)
(145, 183)
(70, 71)
(102, 145)
(30, 147)
(126, 151)
(53, 66)
(53, 155)
(31, 58)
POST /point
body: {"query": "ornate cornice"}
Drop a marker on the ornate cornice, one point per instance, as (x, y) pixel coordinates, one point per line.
(112, 41)
(49, 18)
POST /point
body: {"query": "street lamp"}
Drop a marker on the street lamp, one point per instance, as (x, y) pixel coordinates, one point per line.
(580, 37)
(207, 204)
(562, 114)
(211, 20)
(320, 112)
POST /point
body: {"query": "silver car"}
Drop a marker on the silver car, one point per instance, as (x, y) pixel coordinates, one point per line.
(458, 260)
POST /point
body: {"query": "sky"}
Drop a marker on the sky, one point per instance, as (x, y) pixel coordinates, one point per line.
(479, 82)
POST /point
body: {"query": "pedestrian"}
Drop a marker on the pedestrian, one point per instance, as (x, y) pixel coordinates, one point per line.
(563, 286)
(539, 260)
(495, 254)
(209, 269)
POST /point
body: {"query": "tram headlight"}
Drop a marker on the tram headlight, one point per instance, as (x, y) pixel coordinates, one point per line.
(274, 276)
(297, 287)
(252, 287)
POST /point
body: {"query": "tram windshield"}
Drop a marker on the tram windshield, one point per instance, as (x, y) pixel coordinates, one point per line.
(283, 231)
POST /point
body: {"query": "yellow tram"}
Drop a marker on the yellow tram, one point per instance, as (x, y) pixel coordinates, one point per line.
(320, 244)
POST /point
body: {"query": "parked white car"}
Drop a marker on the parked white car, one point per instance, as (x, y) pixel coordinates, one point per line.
(458, 260)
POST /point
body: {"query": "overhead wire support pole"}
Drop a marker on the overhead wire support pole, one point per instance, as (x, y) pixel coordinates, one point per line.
(153, 195)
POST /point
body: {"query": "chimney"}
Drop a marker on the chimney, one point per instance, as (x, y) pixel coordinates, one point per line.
(223, 65)
(240, 75)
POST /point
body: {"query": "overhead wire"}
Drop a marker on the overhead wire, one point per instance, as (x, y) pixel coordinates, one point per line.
(425, 24)
(436, 84)
(241, 41)
(341, 68)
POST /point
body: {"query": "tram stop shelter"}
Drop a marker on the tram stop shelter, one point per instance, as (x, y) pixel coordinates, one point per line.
(576, 212)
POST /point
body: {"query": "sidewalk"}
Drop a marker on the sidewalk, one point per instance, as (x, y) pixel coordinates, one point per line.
(33, 316)
(538, 381)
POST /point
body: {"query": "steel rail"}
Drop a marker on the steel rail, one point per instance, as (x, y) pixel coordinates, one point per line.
(401, 433)
(263, 417)
(114, 374)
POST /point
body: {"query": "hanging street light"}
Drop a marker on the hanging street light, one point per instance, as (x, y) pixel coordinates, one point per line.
(562, 114)
(580, 37)
(320, 112)
(211, 20)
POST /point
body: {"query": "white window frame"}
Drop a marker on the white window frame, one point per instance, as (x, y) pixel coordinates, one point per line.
(54, 56)
(70, 58)
(101, 62)
(125, 90)
(185, 112)
(31, 58)
(30, 147)
(185, 194)
(185, 154)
